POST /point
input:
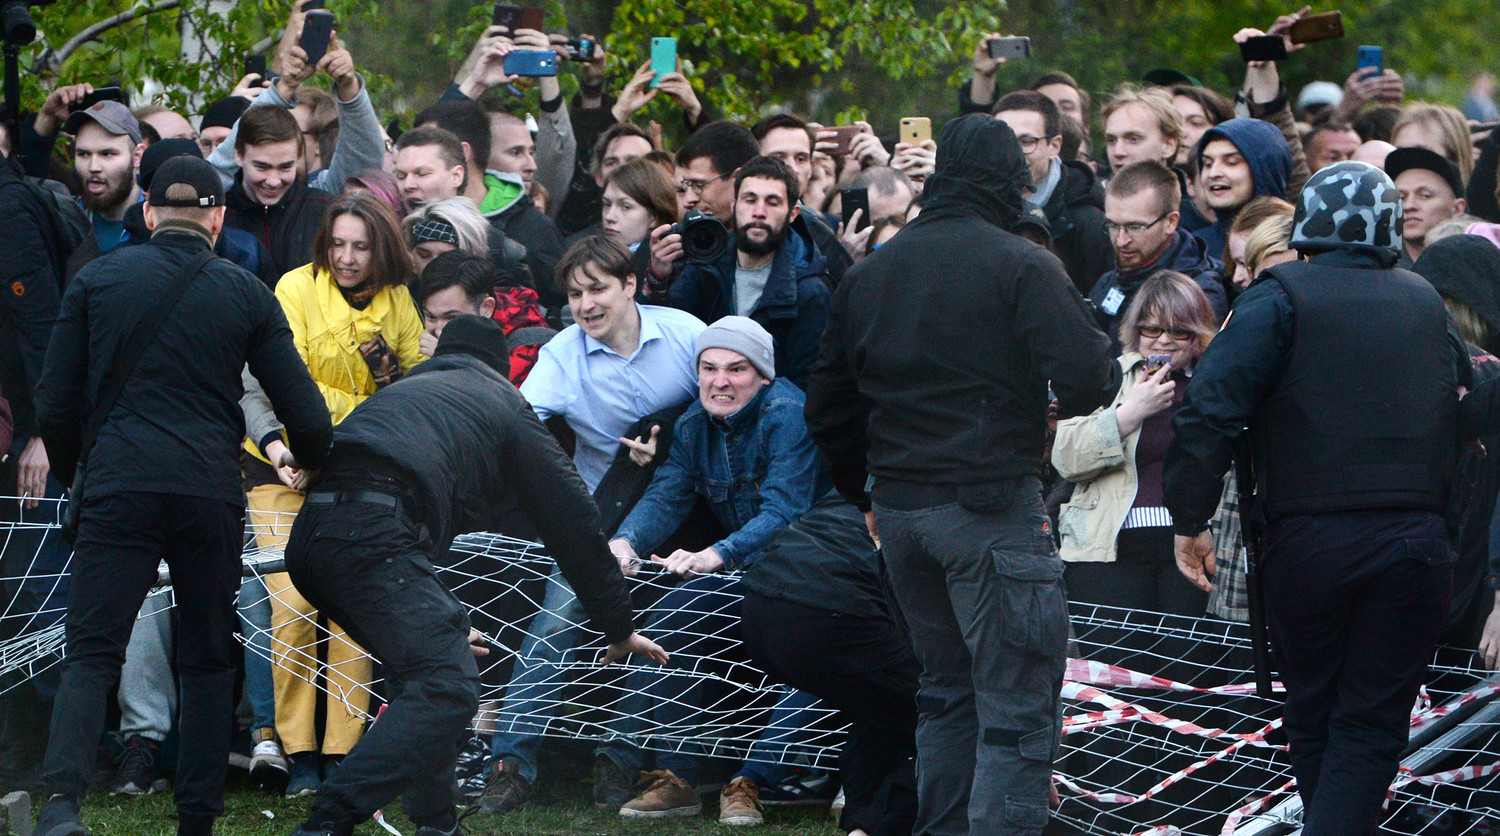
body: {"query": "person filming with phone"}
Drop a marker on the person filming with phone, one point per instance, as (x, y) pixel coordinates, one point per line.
(1116, 534)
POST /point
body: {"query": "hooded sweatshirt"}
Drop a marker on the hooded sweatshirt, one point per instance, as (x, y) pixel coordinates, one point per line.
(940, 345)
(1270, 160)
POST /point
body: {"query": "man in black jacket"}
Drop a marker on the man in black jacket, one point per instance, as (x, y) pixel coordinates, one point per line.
(938, 389)
(1347, 373)
(270, 198)
(438, 454)
(1067, 191)
(162, 479)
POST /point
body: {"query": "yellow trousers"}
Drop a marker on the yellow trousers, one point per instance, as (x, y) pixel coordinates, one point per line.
(313, 661)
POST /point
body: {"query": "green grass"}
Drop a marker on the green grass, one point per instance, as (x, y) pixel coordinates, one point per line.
(562, 807)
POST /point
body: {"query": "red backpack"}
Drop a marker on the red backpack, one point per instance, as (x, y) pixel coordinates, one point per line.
(519, 312)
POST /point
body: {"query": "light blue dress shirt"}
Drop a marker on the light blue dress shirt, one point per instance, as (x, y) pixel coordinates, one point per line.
(600, 393)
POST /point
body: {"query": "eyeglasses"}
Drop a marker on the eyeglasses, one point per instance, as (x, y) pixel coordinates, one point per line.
(1029, 142)
(1151, 332)
(697, 185)
(1132, 230)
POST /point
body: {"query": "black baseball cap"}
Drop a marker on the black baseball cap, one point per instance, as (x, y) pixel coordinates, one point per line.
(194, 172)
(159, 152)
(1406, 159)
(224, 112)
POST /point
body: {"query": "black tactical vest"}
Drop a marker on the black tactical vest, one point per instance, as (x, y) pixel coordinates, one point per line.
(1364, 413)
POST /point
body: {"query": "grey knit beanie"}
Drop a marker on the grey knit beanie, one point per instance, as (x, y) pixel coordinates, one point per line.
(743, 335)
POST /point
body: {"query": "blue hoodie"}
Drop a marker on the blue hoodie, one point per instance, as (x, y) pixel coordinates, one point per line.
(1265, 149)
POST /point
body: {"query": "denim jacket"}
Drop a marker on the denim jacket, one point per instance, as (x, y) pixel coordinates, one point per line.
(758, 471)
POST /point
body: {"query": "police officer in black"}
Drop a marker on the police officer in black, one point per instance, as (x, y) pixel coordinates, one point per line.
(1347, 375)
(162, 476)
(447, 450)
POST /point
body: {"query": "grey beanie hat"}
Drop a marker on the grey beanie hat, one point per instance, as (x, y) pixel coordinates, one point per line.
(745, 336)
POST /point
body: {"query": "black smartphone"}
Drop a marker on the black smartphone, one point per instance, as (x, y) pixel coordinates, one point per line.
(100, 94)
(1010, 48)
(1156, 361)
(1263, 48)
(317, 28)
(851, 199)
(255, 64)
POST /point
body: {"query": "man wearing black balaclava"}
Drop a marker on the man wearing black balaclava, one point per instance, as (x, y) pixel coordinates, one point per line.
(933, 380)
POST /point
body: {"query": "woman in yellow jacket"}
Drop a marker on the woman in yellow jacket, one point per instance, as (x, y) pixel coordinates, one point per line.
(357, 328)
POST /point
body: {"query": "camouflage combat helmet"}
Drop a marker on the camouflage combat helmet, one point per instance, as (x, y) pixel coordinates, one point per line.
(1348, 205)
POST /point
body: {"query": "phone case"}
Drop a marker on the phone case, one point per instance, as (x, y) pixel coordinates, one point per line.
(316, 30)
(1371, 57)
(663, 58)
(1314, 28)
(1010, 48)
(916, 130)
(531, 63)
(852, 199)
(533, 18)
(507, 15)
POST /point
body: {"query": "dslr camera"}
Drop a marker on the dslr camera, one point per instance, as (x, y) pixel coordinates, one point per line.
(704, 237)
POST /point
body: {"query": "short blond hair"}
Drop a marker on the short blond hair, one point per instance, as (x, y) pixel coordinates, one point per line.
(1271, 236)
(1168, 120)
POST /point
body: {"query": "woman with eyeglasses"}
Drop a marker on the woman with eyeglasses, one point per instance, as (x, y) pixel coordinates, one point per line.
(1116, 533)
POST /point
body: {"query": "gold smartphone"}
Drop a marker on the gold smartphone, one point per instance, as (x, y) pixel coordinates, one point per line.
(916, 130)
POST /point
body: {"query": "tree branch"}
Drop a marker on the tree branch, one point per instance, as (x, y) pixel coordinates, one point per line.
(49, 62)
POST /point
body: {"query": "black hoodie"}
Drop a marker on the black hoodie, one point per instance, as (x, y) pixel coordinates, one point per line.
(935, 363)
(286, 229)
(1075, 213)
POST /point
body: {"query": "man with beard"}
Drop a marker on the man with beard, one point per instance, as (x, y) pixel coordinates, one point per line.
(774, 273)
(106, 148)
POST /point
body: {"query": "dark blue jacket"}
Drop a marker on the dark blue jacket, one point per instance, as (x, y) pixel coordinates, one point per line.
(793, 307)
(1270, 160)
(1187, 255)
(757, 469)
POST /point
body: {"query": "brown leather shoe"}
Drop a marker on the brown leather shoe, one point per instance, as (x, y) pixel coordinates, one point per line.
(666, 797)
(739, 803)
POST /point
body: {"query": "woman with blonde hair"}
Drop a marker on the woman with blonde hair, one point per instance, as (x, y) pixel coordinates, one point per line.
(1116, 532)
(1269, 244)
(357, 329)
(1250, 217)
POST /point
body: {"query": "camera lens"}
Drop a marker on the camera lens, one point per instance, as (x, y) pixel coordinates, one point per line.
(19, 28)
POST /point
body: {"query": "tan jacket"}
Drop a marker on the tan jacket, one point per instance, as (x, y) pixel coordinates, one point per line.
(1090, 453)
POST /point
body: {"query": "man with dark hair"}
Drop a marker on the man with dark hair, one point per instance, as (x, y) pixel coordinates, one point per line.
(466, 121)
(1328, 143)
(787, 138)
(617, 145)
(430, 457)
(1140, 207)
(162, 476)
(773, 272)
(705, 164)
(430, 166)
(345, 121)
(1064, 190)
(938, 390)
(454, 284)
(1071, 99)
(619, 362)
(270, 199)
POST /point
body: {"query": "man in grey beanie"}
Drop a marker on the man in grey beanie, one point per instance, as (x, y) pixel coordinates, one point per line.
(743, 445)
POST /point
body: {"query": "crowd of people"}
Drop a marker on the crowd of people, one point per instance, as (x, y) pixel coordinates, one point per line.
(884, 403)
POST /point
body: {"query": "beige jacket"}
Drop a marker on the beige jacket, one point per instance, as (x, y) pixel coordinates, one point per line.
(1090, 453)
